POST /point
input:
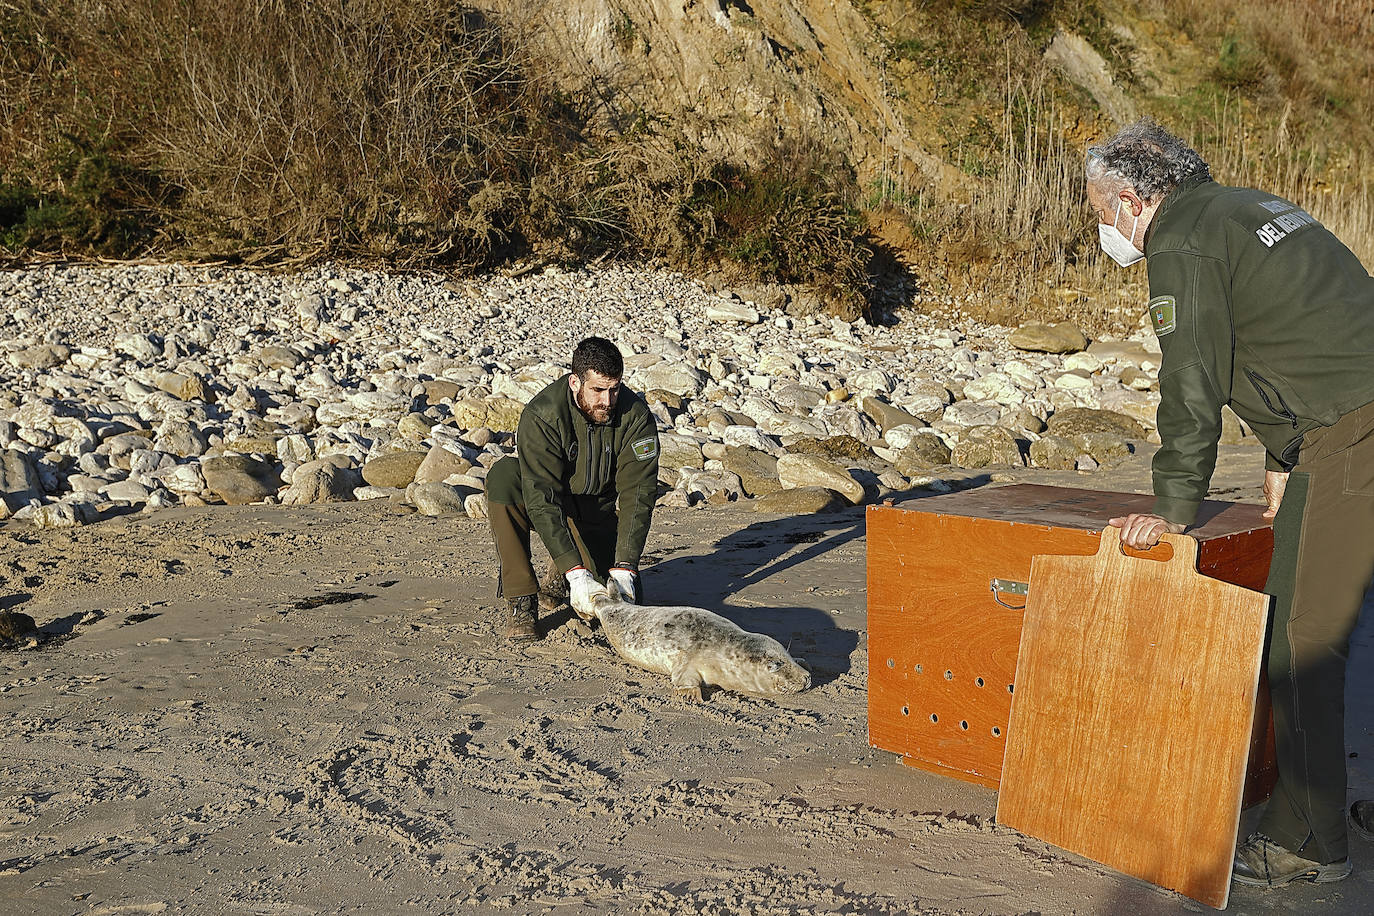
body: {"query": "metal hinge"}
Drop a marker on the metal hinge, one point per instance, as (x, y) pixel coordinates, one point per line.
(1009, 587)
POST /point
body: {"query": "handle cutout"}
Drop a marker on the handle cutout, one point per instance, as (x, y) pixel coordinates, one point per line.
(1162, 552)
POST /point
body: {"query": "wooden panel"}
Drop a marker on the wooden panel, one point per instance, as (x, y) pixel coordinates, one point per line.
(929, 565)
(1130, 729)
(942, 652)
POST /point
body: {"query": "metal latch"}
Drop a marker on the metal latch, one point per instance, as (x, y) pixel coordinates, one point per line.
(1009, 587)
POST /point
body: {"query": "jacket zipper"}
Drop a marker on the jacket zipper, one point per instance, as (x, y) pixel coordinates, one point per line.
(1260, 382)
(589, 482)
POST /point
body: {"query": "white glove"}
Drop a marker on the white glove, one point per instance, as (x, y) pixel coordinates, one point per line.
(581, 586)
(625, 581)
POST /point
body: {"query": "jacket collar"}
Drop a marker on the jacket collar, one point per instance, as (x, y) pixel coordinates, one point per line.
(1170, 199)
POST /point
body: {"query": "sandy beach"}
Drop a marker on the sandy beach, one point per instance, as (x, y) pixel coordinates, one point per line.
(268, 710)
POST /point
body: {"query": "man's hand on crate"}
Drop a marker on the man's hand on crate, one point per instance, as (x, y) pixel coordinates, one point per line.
(1142, 531)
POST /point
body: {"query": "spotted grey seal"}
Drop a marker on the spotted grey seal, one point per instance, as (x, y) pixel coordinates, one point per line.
(695, 647)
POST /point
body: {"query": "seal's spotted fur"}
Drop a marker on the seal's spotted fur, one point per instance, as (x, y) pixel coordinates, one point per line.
(695, 647)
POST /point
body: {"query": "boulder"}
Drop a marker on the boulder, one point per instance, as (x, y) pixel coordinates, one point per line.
(43, 356)
(396, 469)
(756, 470)
(677, 451)
(182, 438)
(673, 376)
(800, 501)
(731, 310)
(15, 626)
(436, 390)
(981, 446)
(186, 387)
(19, 481)
(62, 515)
(436, 499)
(1106, 449)
(795, 471)
(276, 357)
(887, 416)
(240, 479)
(837, 448)
(1054, 453)
(414, 426)
(1074, 420)
(925, 451)
(1039, 337)
(749, 437)
(325, 480)
(439, 464)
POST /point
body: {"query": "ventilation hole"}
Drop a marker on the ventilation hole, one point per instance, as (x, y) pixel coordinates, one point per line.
(964, 726)
(949, 675)
(906, 711)
(891, 663)
(1011, 688)
(996, 732)
(934, 718)
(978, 681)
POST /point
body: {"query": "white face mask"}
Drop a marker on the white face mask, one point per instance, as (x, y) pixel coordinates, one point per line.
(1117, 246)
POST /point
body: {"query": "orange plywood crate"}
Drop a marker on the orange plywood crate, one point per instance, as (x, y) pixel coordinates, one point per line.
(947, 581)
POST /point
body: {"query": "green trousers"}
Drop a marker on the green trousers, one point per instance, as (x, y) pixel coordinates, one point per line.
(592, 521)
(1322, 567)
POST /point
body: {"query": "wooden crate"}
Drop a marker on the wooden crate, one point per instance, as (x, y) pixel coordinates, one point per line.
(942, 644)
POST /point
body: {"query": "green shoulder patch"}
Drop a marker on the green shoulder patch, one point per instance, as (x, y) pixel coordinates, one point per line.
(645, 449)
(1162, 315)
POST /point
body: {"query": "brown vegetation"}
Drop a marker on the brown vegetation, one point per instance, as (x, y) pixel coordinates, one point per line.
(426, 134)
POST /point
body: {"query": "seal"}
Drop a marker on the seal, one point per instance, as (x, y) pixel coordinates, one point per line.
(695, 647)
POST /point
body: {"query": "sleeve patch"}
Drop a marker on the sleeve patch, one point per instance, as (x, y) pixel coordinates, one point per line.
(645, 449)
(1162, 317)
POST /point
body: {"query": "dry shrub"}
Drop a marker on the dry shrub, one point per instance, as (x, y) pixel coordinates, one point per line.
(380, 128)
(407, 131)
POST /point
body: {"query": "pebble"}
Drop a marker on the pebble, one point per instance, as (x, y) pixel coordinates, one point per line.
(334, 383)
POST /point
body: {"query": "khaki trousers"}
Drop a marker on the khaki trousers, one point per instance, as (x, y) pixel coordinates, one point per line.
(1322, 566)
(593, 530)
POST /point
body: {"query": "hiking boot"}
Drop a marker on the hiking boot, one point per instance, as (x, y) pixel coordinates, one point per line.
(521, 626)
(553, 591)
(1362, 818)
(1260, 862)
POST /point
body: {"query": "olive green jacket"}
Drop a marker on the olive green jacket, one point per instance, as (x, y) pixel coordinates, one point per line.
(1258, 306)
(571, 466)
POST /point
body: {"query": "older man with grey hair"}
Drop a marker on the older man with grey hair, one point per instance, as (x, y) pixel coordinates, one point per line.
(1258, 306)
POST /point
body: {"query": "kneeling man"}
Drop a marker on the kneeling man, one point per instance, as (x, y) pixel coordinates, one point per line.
(584, 445)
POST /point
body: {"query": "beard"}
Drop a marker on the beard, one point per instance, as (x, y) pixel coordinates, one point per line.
(594, 414)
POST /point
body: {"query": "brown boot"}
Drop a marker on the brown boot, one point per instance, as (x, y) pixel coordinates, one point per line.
(553, 591)
(522, 623)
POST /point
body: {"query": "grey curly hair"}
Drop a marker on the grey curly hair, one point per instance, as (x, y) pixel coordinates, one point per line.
(1146, 157)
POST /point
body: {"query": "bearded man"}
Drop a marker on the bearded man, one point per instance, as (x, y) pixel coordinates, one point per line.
(585, 477)
(1257, 305)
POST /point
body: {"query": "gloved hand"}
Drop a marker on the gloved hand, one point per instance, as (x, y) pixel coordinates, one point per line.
(581, 585)
(627, 580)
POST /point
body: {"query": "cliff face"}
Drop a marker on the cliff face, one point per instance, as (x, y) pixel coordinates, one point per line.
(735, 75)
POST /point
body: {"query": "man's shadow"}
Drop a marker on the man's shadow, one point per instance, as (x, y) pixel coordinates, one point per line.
(824, 634)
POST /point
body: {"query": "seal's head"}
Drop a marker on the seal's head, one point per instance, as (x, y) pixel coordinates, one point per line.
(764, 668)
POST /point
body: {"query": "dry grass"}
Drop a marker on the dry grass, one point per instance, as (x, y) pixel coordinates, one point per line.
(416, 133)
(411, 132)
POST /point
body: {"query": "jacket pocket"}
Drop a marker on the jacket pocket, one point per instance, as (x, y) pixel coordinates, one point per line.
(1272, 398)
(1359, 473)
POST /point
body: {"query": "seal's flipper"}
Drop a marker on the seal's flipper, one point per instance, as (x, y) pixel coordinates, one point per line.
(687, 680)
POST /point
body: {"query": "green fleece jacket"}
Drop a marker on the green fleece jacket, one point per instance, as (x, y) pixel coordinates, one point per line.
(568, 463)
(1258, 306)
